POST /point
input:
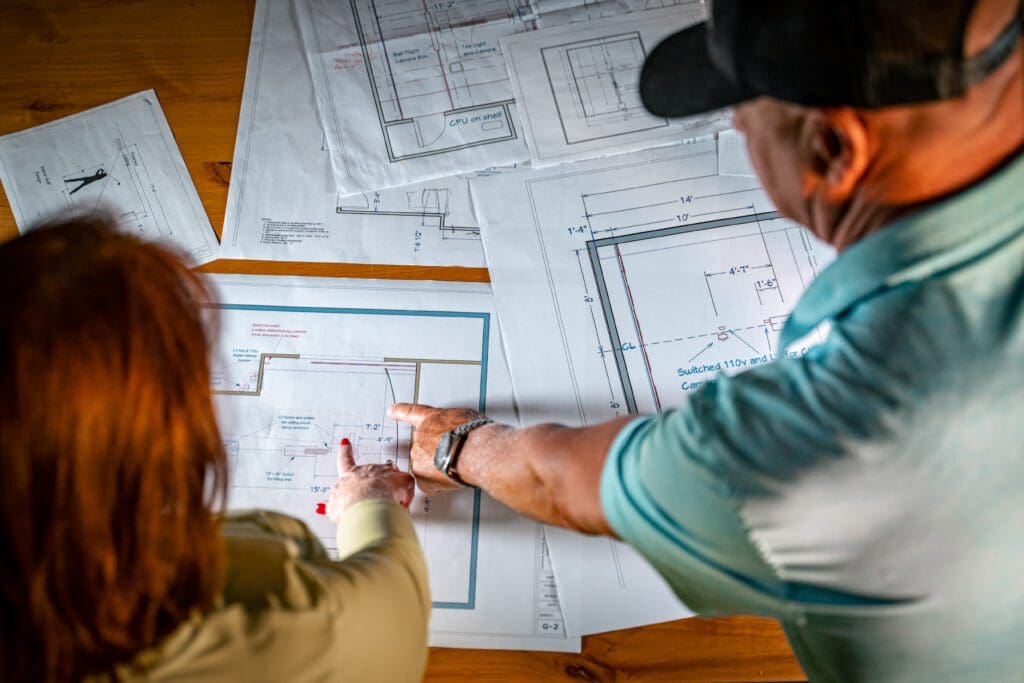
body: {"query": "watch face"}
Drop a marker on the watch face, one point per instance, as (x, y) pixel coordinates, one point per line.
(443, 453)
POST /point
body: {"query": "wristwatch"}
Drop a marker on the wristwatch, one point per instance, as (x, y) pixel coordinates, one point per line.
(450, 445)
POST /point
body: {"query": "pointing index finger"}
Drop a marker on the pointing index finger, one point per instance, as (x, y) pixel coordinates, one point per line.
(346, 459)
(411, 413)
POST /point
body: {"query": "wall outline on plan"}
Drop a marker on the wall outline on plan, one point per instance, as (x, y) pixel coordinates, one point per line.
(402, 132)
(575, 103)
(594, 247)
(485, 319)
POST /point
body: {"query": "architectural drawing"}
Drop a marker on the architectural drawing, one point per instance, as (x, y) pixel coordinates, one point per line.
(303, 363)
(577, 86)
(294, 400)
(595, 86)
(638, 278)
(742, 274)
(410, 91)
(119, 159)
(629, 233)
(300, 215)
(418, 210)
(124, 185)
(436, 72)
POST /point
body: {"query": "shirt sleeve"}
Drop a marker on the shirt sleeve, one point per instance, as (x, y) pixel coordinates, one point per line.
(680, 517)
(705, 491)
(378, 536)
(367, 613)
(381, 582)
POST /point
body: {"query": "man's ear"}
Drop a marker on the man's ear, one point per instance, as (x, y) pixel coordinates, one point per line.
(839, 147)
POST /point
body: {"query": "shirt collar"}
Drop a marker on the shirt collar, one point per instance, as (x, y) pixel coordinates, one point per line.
(935, 239)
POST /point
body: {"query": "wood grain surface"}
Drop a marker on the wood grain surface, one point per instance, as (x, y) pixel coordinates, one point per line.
(58, 58)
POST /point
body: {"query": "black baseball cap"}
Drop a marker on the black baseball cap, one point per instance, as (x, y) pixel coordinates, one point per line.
(858, 53)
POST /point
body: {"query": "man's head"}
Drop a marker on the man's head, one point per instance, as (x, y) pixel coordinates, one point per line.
(845, 169)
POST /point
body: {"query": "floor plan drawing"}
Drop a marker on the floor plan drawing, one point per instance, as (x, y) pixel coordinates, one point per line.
(303, 363)
(747, 299)
(613, 242)
(594, 83)
(420, 209)
(577, 85)
(641, 277)
(119, 159)
(297, 407)
(436, 74)
(300, 215)
(410, 91)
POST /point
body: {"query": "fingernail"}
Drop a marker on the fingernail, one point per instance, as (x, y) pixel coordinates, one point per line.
(345, 442)
(321, 508)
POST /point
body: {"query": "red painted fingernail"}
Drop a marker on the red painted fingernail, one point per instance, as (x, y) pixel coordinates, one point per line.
(345, 442)
(321, 508)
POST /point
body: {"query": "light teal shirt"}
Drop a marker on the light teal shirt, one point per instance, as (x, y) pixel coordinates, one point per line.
(869, 494)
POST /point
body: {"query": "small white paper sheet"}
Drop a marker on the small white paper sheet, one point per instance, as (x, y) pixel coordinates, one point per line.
(119, 159)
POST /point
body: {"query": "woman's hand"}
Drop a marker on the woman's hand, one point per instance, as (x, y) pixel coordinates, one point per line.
(357, 483)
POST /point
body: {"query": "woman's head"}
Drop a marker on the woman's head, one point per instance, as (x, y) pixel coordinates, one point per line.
(110, 459)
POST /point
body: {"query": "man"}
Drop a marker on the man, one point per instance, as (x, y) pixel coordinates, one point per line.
(869, 495)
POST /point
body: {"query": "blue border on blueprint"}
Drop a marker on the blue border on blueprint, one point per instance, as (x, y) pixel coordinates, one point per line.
(485, 318)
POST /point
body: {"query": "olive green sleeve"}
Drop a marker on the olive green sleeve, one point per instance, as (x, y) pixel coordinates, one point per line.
(367, 612)
(380, 533)
(290, 612)
(380, 581)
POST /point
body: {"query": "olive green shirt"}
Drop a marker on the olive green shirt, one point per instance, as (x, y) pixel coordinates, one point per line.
(290, 613)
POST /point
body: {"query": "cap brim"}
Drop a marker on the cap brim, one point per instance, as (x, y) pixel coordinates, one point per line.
(679, 78)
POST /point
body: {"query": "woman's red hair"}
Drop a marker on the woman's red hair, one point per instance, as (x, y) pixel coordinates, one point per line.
(111, 464)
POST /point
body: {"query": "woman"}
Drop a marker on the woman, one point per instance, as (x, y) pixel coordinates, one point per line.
(117, 562)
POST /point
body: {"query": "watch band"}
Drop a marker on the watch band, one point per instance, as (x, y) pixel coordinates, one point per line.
(450, 445)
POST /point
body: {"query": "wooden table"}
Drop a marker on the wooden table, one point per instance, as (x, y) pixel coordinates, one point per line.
(58, 58)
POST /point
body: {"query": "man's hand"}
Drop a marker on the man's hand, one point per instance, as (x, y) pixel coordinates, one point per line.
(547, 472)
(357, 483)
(429, 424)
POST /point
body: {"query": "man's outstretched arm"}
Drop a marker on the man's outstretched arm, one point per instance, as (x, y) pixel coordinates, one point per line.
(548, 472)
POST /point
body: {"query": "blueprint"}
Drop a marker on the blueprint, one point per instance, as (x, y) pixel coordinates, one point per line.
(119, 160)
(623, 284)
(411, 91)
(578, 87)
(302, 363)
(283, 203)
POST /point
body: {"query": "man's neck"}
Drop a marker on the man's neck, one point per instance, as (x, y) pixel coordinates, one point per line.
(843, 225)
